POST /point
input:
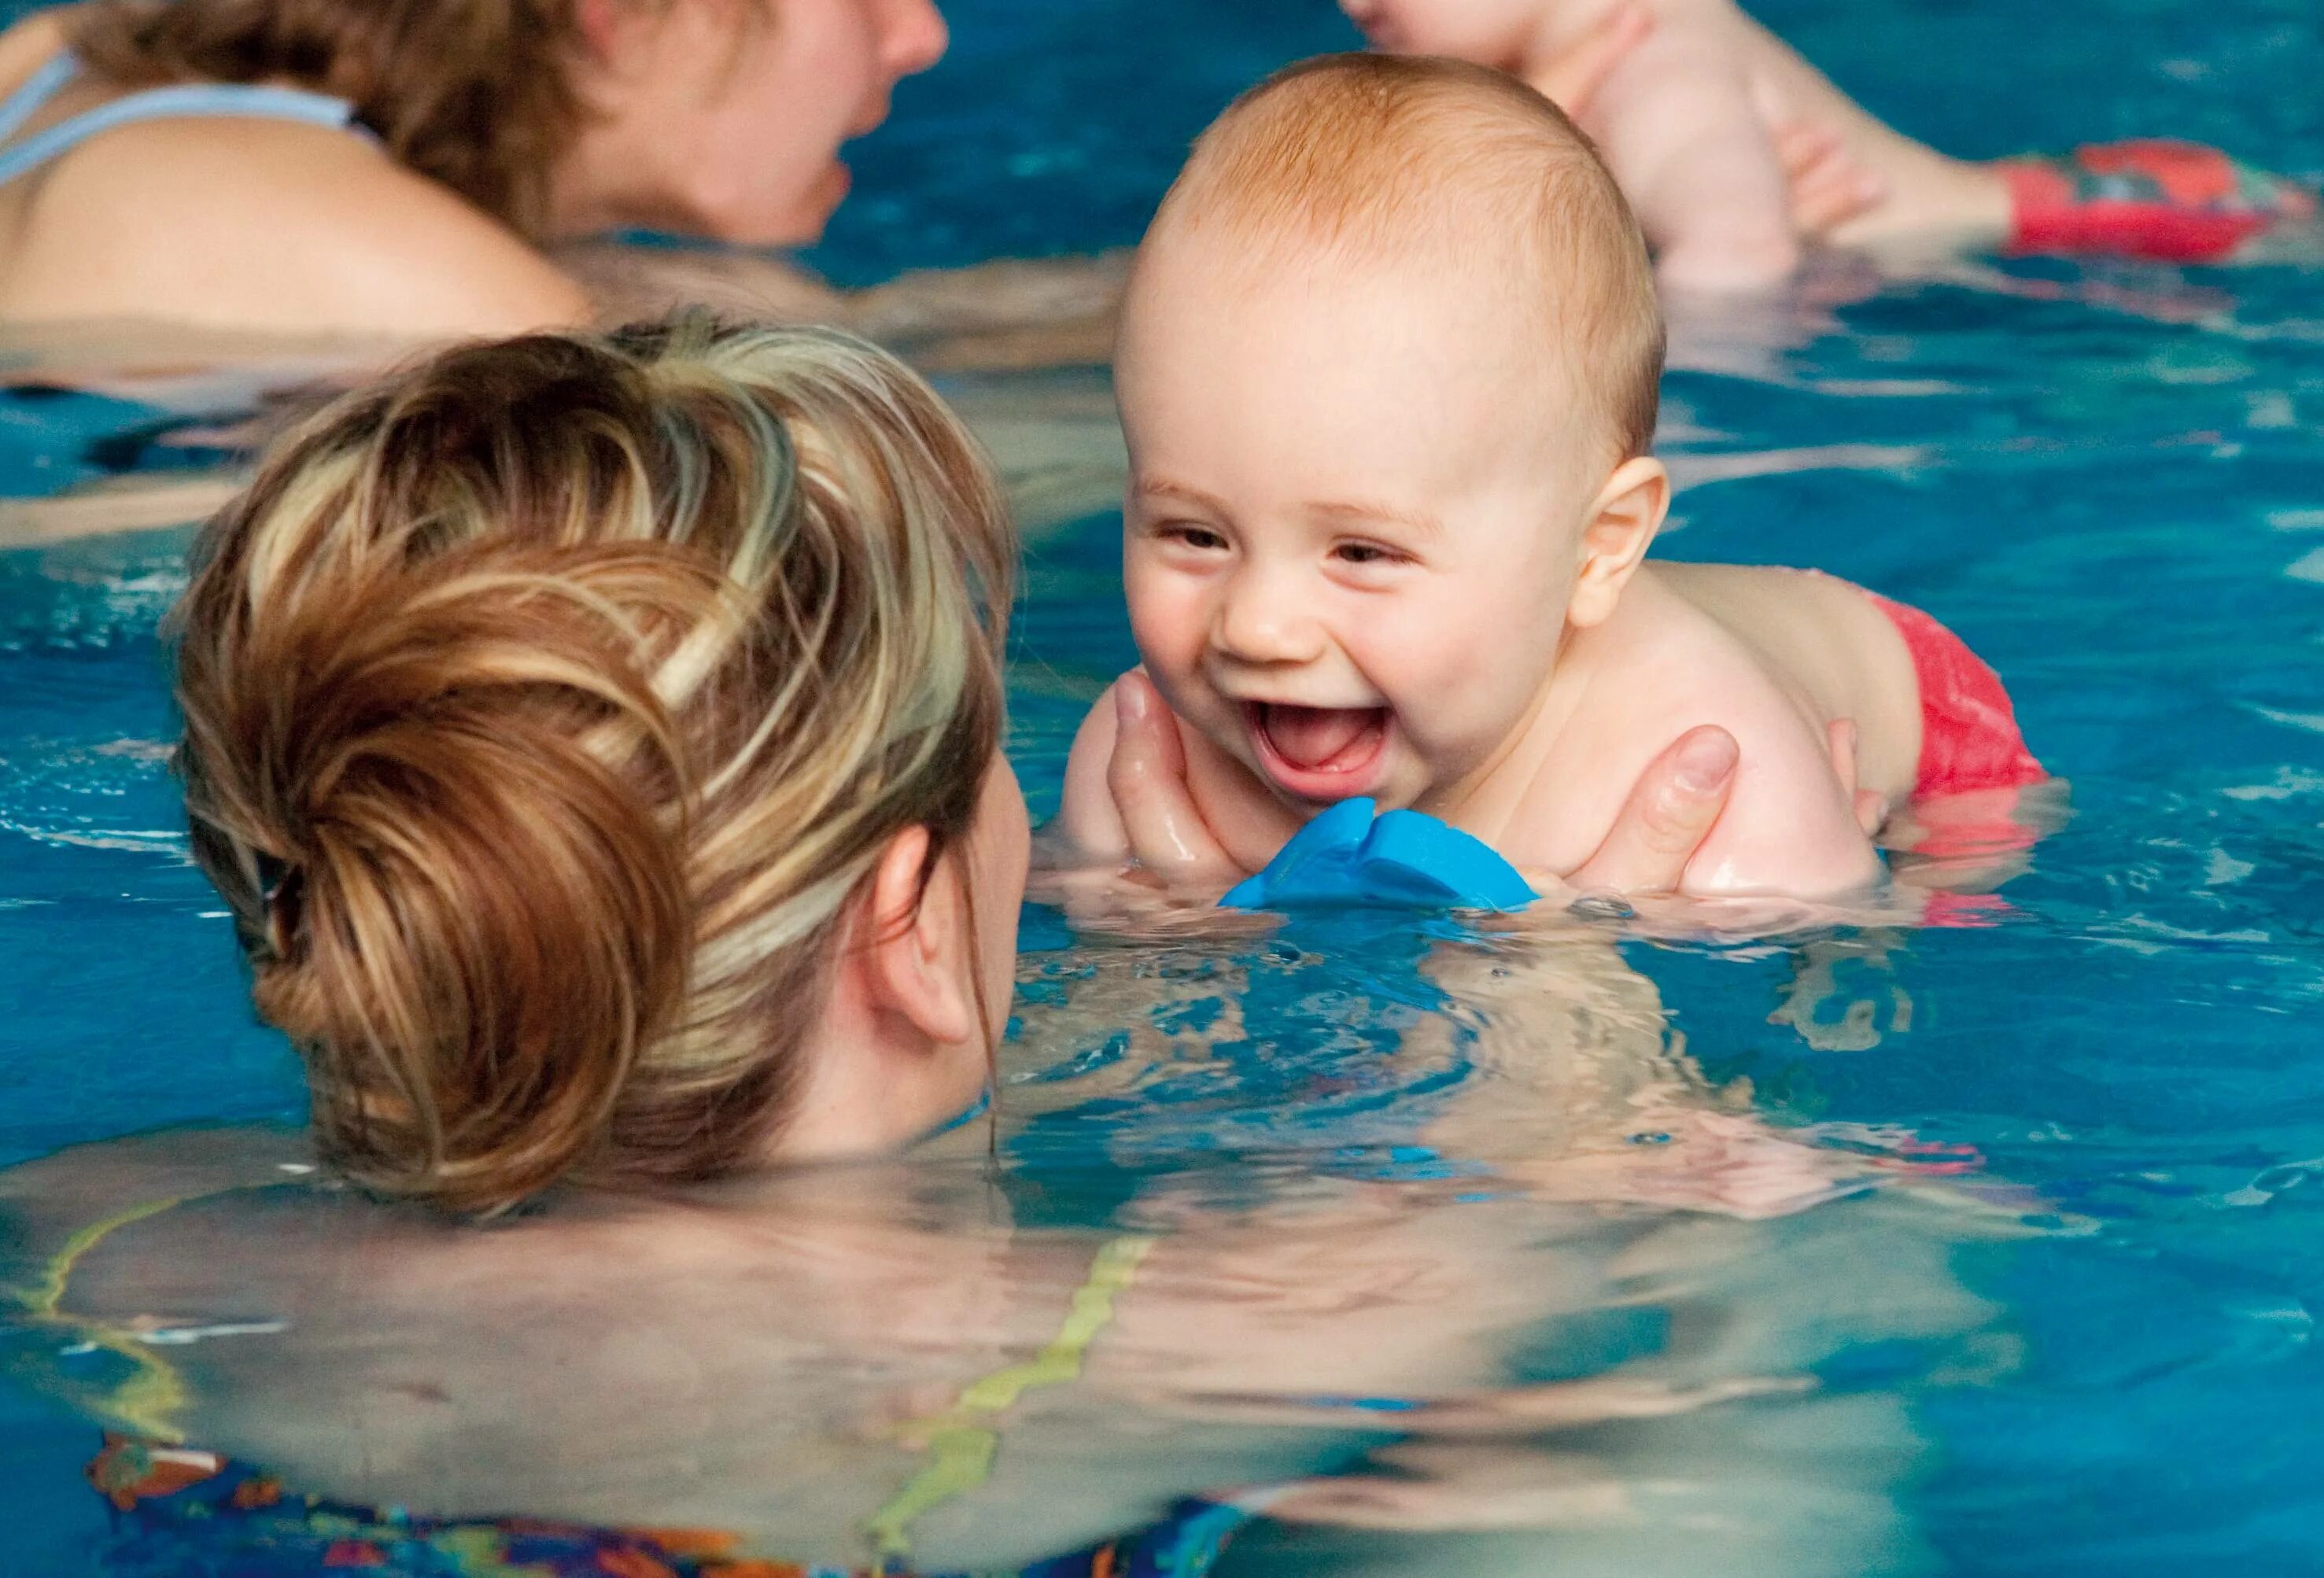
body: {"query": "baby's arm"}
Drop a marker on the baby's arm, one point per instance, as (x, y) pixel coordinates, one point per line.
(1678, 124)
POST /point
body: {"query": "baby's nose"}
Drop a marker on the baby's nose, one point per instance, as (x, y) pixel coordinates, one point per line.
(1259, 625)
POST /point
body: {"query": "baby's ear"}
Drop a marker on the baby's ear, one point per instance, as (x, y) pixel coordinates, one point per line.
(1622, 521)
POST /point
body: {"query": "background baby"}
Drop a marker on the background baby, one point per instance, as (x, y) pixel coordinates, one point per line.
(1389, 372)
(1701, 120)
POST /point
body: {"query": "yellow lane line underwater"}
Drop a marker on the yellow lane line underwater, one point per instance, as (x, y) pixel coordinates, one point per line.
(145, 1402)
(963, 1439)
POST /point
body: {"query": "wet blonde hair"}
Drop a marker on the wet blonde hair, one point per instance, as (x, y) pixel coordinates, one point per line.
(1467, 170)
(544, 707)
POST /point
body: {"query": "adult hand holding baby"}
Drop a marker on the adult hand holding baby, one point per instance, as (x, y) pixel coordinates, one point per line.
(1670, 811)
(1147, 772)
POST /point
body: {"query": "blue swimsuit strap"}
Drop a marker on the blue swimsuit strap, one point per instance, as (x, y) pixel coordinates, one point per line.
(36, 91)
(202, 100)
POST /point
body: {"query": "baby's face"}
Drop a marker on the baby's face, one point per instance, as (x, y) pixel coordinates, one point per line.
(1501, 34)
(1354, 516)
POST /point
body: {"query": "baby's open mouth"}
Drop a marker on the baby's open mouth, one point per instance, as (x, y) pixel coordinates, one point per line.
(1318, 751)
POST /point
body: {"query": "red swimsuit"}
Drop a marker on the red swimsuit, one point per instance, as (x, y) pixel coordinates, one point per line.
(1969, 738)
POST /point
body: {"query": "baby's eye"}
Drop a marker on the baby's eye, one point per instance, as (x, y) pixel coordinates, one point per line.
(1200, 537)
(1365, 553)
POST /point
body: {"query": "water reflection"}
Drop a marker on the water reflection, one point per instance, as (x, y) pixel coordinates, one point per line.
(1379, 1246)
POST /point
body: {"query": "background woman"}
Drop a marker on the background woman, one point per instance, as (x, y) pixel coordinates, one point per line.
(400, 163)
(421, 168)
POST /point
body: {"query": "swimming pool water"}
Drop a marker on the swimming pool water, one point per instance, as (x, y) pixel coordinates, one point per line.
(2076, 1332)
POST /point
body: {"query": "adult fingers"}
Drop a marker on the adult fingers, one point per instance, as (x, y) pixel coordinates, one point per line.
(1871, 811)
(1670, 812)
(1802, 145)
(1840, 739)
(1574, 78)
(1870, 805)
(1833, 195)
(1147, 776)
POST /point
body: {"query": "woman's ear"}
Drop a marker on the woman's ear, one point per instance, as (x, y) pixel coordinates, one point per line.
(1622, 521)
(915, 942)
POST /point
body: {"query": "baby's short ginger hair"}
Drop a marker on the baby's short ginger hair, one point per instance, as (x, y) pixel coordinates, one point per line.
(1405, 157)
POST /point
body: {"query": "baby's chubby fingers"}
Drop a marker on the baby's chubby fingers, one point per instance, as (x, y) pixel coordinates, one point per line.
(1828, 187)
(1147, 775)
(1676, 802)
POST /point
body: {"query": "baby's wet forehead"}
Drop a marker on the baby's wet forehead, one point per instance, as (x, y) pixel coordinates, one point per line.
(1379, 347)
(1506, 230)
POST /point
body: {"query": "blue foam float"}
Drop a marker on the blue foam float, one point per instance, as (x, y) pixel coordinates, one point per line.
(1350, 856)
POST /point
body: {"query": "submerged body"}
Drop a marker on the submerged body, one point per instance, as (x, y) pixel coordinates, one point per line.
(331, 1350)
(959, 1368)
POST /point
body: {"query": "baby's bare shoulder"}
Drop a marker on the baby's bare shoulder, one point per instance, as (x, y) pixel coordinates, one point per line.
(1828, 644)
(1790, 824)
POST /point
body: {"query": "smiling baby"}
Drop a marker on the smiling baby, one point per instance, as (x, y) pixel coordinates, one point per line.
(1387, 370)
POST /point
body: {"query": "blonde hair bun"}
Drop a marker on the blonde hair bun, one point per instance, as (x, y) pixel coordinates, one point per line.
(545, 702)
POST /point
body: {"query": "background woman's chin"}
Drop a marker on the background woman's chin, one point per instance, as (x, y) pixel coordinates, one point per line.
(800, 221)
(821, 201)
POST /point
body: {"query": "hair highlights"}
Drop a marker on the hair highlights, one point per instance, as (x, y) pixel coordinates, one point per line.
(544, 707)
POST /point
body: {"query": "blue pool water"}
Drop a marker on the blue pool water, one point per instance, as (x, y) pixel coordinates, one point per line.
(2075, 1330)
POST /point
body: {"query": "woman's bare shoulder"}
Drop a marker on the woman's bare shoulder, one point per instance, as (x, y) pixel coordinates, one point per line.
(271, 225)
(25, 47)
